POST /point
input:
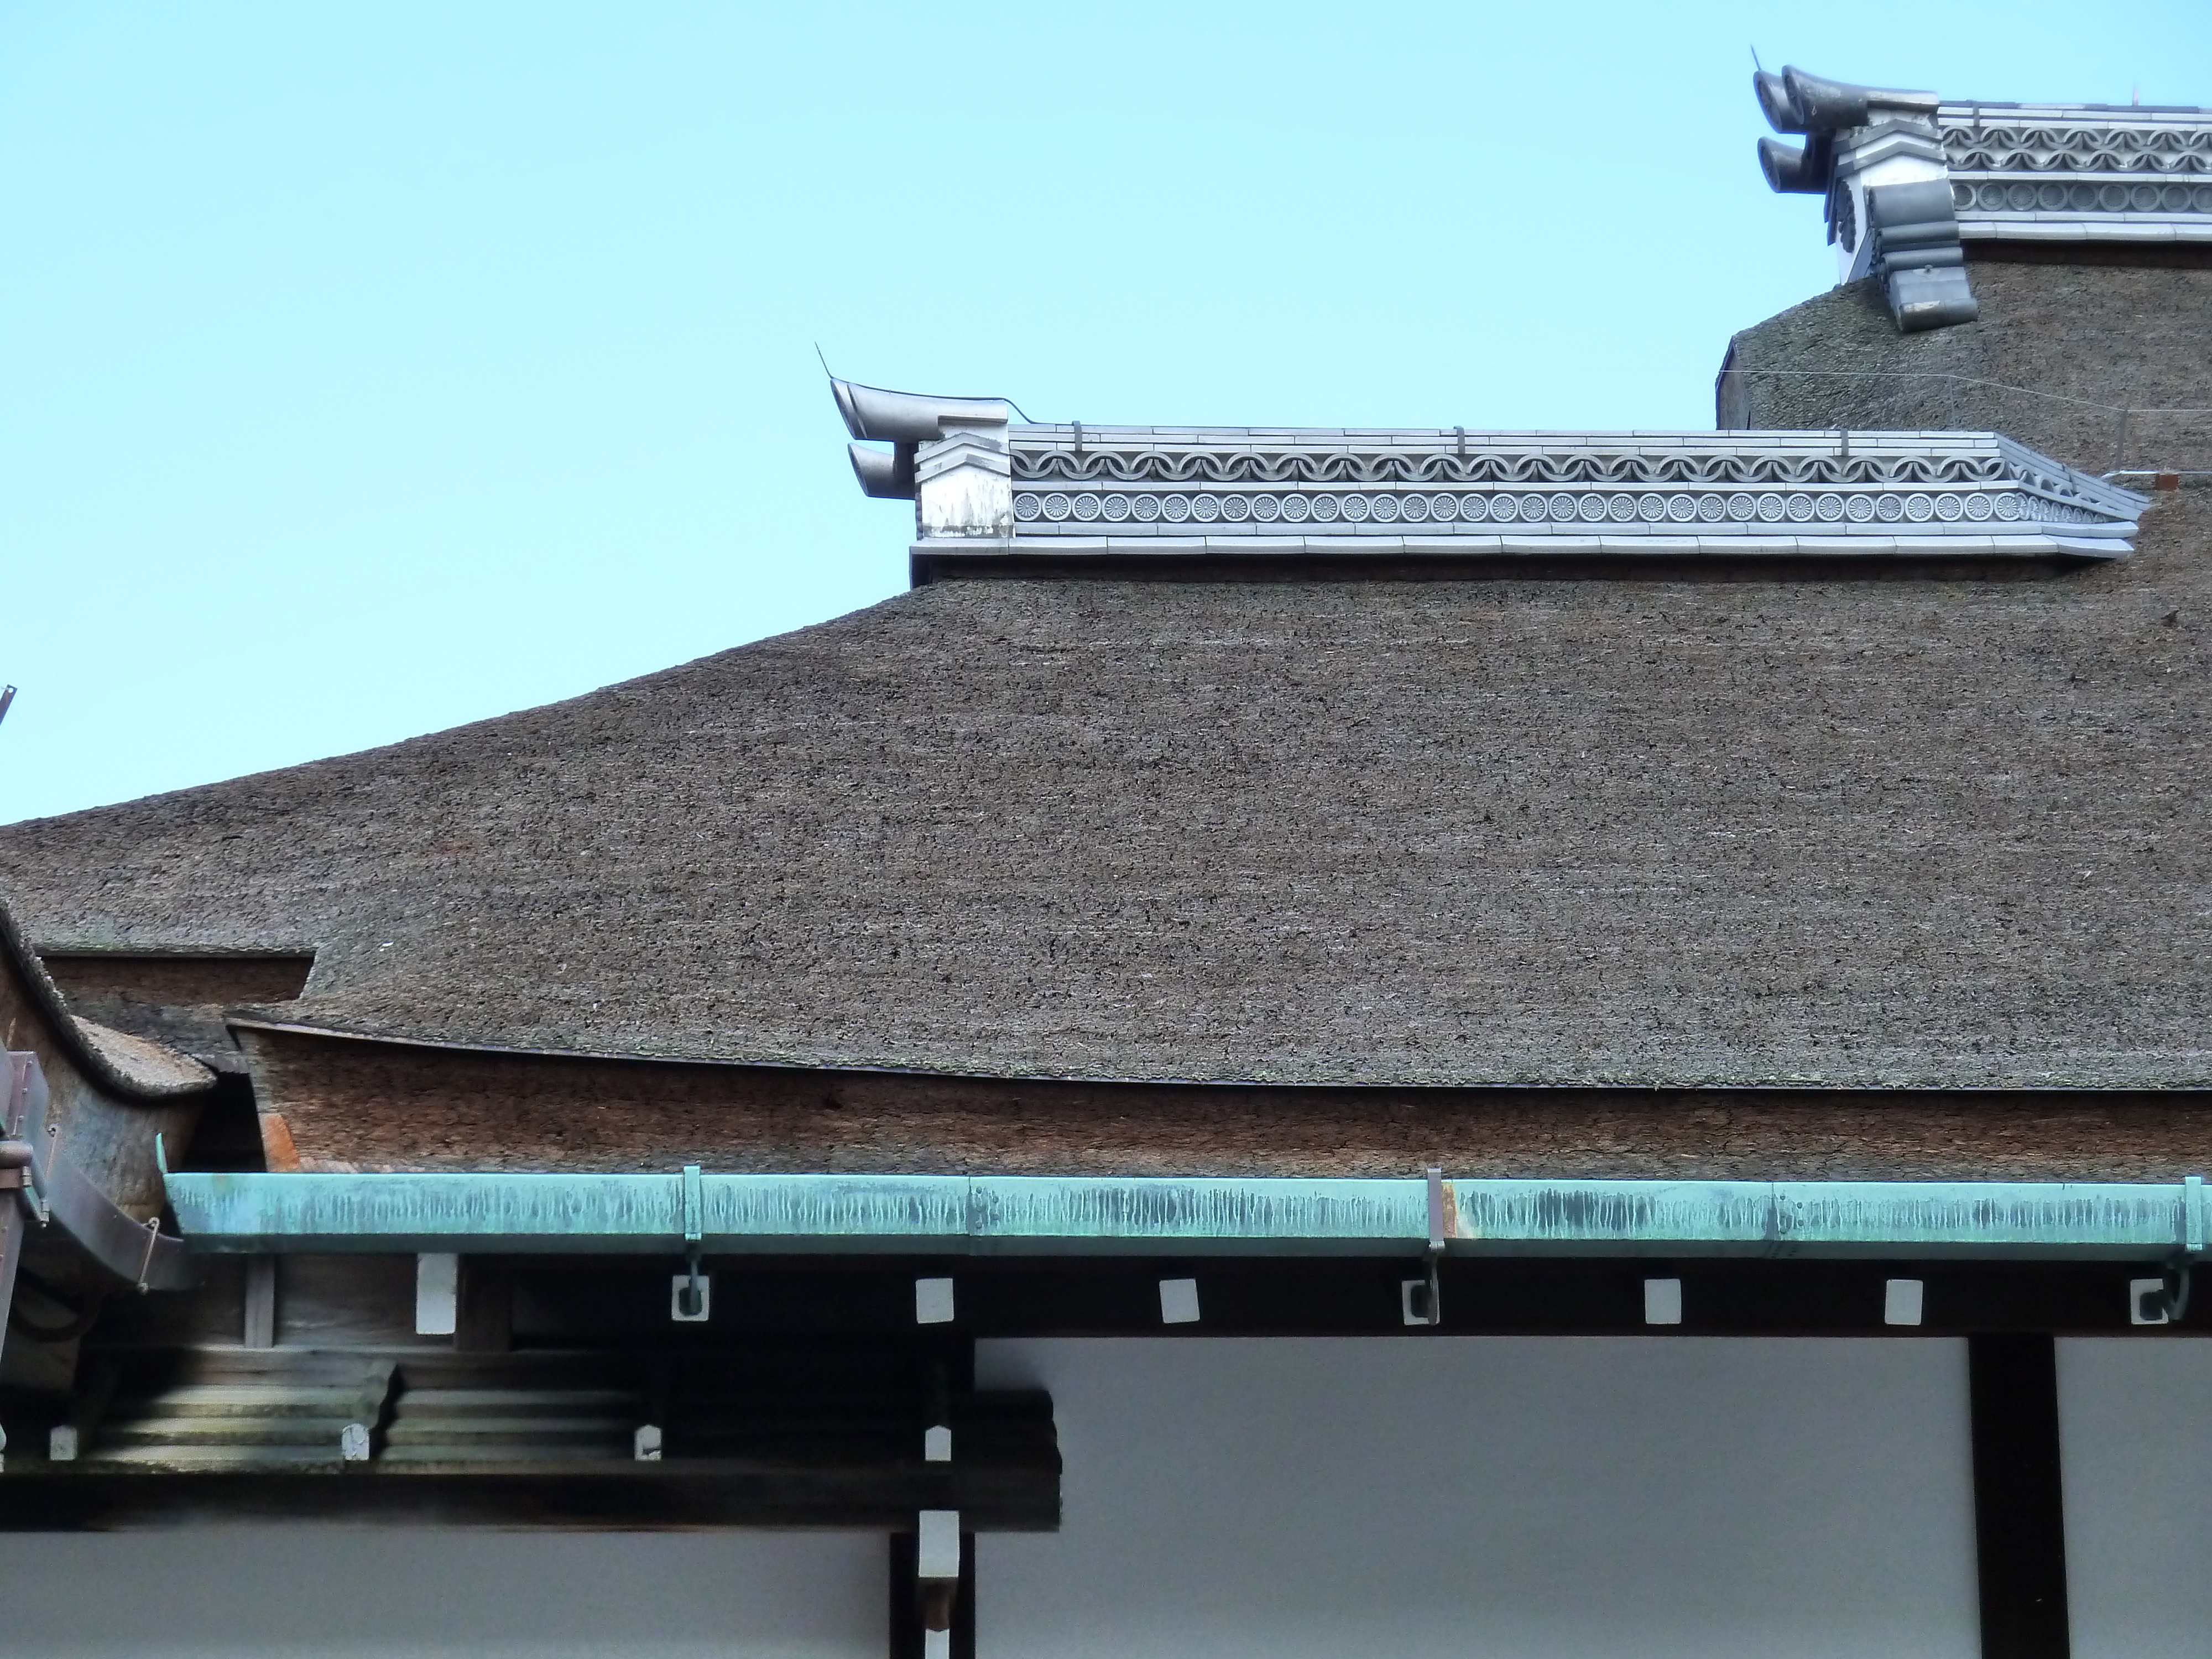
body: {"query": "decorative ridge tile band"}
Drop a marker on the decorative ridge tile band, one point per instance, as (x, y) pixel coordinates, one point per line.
(2077, 138)
(985, 486)
(2043, 173)
(1125, 483)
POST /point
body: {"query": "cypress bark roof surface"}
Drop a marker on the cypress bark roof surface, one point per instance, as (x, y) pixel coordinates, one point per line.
(2100, 366)
(1878, 832)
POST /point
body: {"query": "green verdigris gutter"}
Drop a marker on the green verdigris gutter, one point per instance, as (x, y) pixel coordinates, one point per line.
(932, 1215)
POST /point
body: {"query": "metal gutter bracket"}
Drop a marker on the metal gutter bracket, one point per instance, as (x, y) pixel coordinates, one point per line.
(2165, 1301)
(1423, 1299)
(688, 1298)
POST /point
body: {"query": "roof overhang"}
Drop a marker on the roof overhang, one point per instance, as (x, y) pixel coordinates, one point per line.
(1909, 180)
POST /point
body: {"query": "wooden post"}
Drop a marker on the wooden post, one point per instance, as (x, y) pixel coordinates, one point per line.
(909, 1637)
(2019, 1518)
(485, 1321)
(14, 1172)
(260, 1330)
(13, 1230)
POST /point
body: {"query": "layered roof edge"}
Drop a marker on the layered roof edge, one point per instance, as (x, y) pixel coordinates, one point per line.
(132, 1068)
(1910, 177)
(987, 486)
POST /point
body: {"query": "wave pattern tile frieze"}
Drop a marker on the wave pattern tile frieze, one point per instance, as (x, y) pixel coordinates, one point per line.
(1141, 490)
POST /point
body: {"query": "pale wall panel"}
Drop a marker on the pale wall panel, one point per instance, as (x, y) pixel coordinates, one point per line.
(1456, 1499)
(314, 1593)
(2135, 1427)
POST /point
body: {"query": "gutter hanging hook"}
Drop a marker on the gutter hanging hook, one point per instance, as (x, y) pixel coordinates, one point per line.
(691, 1295)
(2176, 1291)
(2172, 1297)
(145, 1263)
(2165, 1300)
(1427, 1300)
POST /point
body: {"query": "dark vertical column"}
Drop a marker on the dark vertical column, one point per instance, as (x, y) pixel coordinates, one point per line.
(906, 1598)
(941, 1375)
(2019, 1518)
(483, 1318)
(259, 1327)
(14, 1230)
(907, 1627)
(15, 1129)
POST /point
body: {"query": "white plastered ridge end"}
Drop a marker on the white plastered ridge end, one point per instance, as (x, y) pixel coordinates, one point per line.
(965, 481)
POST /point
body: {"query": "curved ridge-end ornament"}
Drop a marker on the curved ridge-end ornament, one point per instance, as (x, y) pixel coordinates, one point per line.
(1859, 139)
(2050, 173)
(1775, 102)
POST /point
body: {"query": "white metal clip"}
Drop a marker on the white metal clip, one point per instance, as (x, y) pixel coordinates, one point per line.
(694, 1204)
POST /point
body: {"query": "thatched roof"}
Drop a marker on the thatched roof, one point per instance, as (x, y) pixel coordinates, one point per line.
(2100, 366)
(125, 1065)
(1903, 831)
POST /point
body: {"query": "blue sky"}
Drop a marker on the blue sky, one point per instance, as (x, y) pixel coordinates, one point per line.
(370, 368)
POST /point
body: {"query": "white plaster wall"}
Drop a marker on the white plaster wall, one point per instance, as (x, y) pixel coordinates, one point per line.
(259, 1593)
(1461, 1497)
(2134, 1424)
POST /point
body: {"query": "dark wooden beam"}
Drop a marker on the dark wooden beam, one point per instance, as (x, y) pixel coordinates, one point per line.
(2020, 1517)
(610, 1302)
(815, 1432)
(63, 1497)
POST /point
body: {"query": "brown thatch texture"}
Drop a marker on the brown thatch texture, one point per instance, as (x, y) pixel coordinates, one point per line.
(32, 1005)
(1875, 833)
(2116, 363)
(151, 1069)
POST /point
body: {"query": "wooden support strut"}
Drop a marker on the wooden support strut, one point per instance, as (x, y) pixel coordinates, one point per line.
(933, 1614)
(2019, 1518)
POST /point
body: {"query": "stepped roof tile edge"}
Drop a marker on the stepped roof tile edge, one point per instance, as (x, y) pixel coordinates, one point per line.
(130, 1067)
(1911, 178)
